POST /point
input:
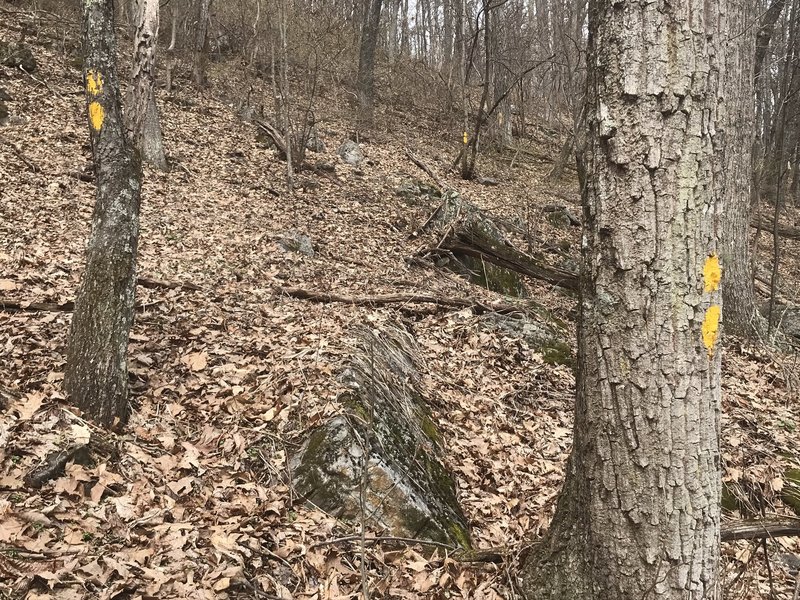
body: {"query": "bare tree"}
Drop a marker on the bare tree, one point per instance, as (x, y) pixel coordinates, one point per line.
(366, 59)
(639, 513)
(144, 125)
(96, 376)
(201, 43)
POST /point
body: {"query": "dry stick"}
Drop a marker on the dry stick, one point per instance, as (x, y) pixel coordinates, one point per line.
(442, 185)
(18, 153)
(147, 282)
(384, 300)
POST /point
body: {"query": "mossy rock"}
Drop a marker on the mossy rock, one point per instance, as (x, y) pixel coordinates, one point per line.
(546, 335)
(490, 276)
(389, 435)
(16, 56)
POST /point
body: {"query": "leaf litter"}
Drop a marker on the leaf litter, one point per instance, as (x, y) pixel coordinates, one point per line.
(190, 499)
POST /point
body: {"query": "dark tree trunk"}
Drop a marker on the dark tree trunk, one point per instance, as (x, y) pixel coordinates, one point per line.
(144, 124)
(639, 514)
(96, 376)
(201, 43)
(366, 60)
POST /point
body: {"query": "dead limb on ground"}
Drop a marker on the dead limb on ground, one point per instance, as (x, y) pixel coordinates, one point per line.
(469, 231)
(11, 304)
(384, 300)
(767, 224)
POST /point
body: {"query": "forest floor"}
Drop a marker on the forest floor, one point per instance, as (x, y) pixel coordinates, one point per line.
(190, 500)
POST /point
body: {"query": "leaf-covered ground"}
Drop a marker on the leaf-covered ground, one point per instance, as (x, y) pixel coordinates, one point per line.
(190, 500)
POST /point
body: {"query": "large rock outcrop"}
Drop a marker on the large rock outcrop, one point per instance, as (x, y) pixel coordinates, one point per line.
(385, 453)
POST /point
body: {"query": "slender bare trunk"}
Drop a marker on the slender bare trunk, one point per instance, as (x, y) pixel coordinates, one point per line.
(96, 375)
(144, 125)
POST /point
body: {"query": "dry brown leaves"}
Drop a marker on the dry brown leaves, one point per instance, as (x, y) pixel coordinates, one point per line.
(191, 499)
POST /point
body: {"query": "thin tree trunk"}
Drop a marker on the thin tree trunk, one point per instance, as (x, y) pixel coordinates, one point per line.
(144, 125)
(366, 60)
(639, 514)
(201, 43)
(96, 375)
(741, 314)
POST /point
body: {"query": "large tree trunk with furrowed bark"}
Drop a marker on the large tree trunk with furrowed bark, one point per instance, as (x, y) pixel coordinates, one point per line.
(96, 376)
(639, 514)
(143, 122)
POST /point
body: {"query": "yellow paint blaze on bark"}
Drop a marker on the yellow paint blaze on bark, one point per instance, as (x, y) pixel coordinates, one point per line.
(711, 327)
(94, 83)
(712, 273)
(96, 115)
(465, 138)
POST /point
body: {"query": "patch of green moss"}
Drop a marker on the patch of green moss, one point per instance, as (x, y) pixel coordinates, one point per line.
(490, 276)
(791, 489)
(460, 535)
(555, 352)
(729, 502)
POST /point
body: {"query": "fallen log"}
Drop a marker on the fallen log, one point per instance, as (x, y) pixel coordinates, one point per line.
(755, 530)
(766, 224)
(383, 300)
(469, 232)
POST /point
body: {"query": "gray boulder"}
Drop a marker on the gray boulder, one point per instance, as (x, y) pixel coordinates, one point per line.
(350, 153)
(388, 439)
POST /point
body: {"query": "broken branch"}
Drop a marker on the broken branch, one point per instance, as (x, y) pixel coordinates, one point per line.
(383, 300)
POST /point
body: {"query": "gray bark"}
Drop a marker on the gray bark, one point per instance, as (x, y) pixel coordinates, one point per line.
(741, 314)
(96, 376)
(201, 43)
(639, 513)
(366, 59)
(144, 125)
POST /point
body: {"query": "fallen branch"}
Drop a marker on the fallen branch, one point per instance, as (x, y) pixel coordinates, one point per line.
(19, 305)
(442, 185)
(383, 300)
(23, 306)
(54, 463)
(766, 224)
(488, 555)
(274, 134)
(755, 530)
(32, 167)
(149, 282)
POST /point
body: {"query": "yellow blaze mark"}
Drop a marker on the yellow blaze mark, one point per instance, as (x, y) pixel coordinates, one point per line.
(94, 83)
(96, 115)
(711, 327)
(712, 273)
(465, 138)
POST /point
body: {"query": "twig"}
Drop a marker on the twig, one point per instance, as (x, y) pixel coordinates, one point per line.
(383, 539)
(478, 307)
(149, 282)
(18, 153)
(442, 185)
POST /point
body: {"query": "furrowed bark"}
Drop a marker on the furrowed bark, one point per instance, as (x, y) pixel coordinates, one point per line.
(144, 125)
(639, 514)
(96, 376)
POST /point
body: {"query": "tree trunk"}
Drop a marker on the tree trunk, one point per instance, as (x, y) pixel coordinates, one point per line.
(366, 60)
(201, 43)
(96, 376)
(144, 125)
(741, 315)
(639, 513)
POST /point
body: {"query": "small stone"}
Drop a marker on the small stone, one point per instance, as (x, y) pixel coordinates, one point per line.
(350, 153)
(294, 241)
